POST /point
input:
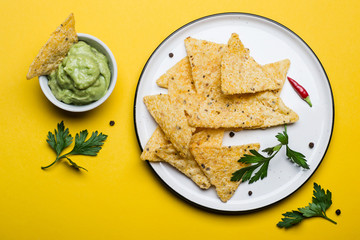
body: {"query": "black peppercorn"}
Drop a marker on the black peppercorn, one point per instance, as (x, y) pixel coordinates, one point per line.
(231, 134)
(338, 212)
(250, 193)
(171, 55)
(311, 145)
(112, 123)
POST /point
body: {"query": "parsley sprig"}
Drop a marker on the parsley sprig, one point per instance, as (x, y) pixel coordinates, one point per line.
(321, 201)
(62, 139)
(259, 161)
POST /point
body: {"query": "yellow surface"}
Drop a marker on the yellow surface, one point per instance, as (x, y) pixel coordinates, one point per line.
(120, 197)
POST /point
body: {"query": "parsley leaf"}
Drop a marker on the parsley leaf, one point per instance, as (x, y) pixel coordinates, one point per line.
(90, 147)
(291, 218)
(62, 139)
(262, 162)
(74, 165)
(321, 198)
(245, 173)
(271, 150)
(283, 138)
(320, 203)
(296, 157)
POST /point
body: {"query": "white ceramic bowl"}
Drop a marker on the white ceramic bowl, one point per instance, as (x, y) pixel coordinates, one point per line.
(101, 47)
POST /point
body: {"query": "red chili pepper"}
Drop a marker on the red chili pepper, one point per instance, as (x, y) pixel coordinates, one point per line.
(300, 90)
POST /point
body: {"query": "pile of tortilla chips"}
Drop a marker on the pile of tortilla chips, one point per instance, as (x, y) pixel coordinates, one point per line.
(215, 88)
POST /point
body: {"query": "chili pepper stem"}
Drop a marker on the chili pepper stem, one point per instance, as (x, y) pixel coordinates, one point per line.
(307, 99)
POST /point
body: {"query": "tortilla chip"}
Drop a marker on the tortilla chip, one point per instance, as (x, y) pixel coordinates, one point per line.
(273, 110)
(157, 140)
(226, 112)
(205, 57)
(181, 87)
(178, 81)
(219, 163)
(266, 107)
(179, 78)
(162, 81)
(187, 166)
(182, 71)
(172, 121)
(207, 137)
(277, 71)
(240, 73)
(55, 49)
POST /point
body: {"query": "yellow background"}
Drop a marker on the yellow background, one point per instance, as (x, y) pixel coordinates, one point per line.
(120, 197)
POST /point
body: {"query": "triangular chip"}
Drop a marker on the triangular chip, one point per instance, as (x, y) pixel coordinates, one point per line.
(219, 163)
(181, 87)
(172, 121)
(182, 71)
(179, 78)
(187, 166)
(55, 49)
(163, 81)
(273, 110)
(227, 112)
(277, 71)
(204, 58)
(240, 73)
(267, 107)
(157, 140)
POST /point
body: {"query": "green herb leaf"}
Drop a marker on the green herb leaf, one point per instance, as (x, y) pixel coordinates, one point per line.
(320, 203)
(321, 198)
(283, 138)
(73, 164)
(312, 210)
(291, 218)
(262, 173)
(245, 173)
(297, 157)
(88, 147)
(62, 139)
(255, 158)
(271, 150)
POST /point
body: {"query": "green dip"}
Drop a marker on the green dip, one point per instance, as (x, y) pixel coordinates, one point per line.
(82, 77)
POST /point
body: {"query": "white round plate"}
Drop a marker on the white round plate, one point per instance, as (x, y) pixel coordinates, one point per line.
(268, 42)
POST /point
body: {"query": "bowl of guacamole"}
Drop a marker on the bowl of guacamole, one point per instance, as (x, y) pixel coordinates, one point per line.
(85, 78)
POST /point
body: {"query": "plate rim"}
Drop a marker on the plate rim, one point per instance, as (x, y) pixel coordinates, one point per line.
(222, 211)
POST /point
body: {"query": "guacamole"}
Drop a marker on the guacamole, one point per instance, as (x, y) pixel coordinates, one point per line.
(82, 77)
